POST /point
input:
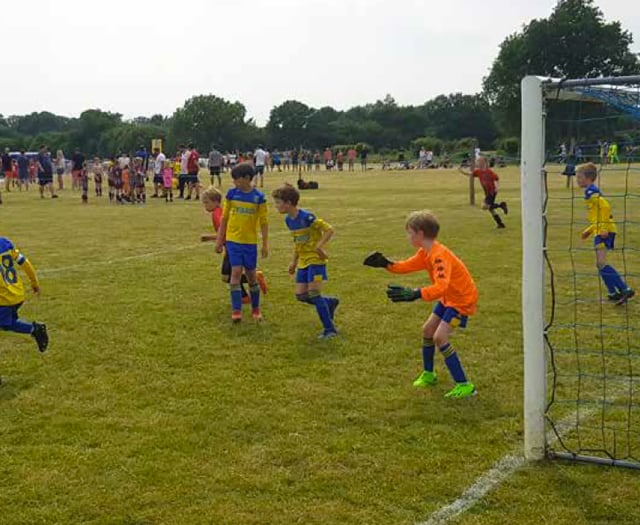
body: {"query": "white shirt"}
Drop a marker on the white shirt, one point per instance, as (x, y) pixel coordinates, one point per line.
(159, 163)
(259, 157)
(477, 153)
(183, 161)
(123, 162)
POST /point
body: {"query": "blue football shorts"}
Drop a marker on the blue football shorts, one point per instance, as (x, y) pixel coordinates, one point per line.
(450, 315)
(241, 254)
(312, 273)
(608, 242)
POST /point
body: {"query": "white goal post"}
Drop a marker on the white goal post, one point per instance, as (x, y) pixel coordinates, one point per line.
(535, 90)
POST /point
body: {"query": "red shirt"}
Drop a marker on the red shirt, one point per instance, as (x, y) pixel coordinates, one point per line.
(216, 218)
(488, 179)
(192, 162)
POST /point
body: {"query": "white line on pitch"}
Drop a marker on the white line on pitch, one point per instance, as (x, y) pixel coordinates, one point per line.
(500, 471)
(107, 262)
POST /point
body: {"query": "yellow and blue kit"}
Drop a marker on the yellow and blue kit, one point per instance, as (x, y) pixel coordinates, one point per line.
(603, 229)
(243, 212)
(599, 217)
(307, 229)
(11, 287)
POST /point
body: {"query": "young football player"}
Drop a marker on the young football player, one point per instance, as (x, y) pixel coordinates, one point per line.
(309, 263)
(244, 209)
(489, 181)
(603, 229)
(452, 286)
(12, 294)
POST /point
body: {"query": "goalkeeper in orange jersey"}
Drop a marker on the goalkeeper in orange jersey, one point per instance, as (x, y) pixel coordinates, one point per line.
(12, 294)
(603, 229)
(453, 289)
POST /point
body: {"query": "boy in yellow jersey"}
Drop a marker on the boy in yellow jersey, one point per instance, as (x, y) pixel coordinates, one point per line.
(603, 229)
(243, 210)
(310, 235)
(12, 294)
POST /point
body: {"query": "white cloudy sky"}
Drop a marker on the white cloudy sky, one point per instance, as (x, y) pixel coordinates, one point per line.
(143, 57)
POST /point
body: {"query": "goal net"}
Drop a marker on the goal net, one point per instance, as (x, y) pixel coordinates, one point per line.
(580, 325)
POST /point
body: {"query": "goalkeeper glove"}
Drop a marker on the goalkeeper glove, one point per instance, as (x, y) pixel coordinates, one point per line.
(401, 294)
(377, 260)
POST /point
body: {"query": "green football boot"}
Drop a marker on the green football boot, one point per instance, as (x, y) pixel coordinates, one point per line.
(462, 390)
(425, 380)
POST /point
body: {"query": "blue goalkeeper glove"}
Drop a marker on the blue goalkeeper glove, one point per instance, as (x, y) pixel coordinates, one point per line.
(400, 294)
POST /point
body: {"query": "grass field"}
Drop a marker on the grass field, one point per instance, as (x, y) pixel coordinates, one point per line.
(151, 408)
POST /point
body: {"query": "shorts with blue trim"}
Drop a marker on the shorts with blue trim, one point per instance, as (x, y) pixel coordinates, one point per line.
(450, 315)
(241, 254)
(608, 241)
(311, 274)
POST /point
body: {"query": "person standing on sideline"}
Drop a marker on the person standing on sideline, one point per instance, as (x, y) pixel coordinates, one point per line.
(60, 168)
(193, 167)
(215, 163)
(45, 172)
(259, 159)
(7, 168)
(23, 171)
(351, 158)
(158, 166)
(182, 179)
(79, 171)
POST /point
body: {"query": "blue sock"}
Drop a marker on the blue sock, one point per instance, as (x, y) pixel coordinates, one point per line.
(236, 297)
(19, 326)
(616, 280)
(428, 350)
(453, 363)
(254, 291)
(608, 277)
(323, 311)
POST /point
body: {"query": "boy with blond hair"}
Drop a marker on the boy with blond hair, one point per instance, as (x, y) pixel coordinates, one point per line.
(452, 287)
(603, 229)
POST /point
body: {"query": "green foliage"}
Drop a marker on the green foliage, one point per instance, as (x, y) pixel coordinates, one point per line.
(509, 146)
(206, 119)
(429, 143)
(574, 42)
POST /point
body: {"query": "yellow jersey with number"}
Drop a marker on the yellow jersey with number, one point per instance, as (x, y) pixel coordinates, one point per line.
(244, 212)
(11, 286)
(307, 230)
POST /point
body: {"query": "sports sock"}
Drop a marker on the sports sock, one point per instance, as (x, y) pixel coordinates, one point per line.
(19, 326)
(610, 278)
(496, 218)
(303, 298)
(323, 311)
(428, 350)
(254, 291)
(453, 363)
(236, 297)
(616, 278)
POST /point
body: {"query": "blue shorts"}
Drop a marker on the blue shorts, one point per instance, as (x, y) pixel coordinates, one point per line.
(607, 242)
(311, 274)
(450, 315)
(9, 315)
(240, 254)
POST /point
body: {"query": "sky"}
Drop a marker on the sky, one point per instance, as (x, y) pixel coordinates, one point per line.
(146, 57)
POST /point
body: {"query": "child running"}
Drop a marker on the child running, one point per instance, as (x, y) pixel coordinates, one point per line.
(489, 181)
(12, 294)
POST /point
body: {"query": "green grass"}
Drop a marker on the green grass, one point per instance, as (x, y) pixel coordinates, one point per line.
(151, 408)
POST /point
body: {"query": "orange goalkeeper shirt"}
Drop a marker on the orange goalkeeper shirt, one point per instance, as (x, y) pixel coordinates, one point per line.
(452, 284)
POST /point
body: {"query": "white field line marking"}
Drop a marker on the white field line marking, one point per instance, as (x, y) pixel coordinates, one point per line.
(107, 262)
(500, 471)
(148, 255)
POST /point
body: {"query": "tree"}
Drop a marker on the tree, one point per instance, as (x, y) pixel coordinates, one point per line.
(452, 117)
(206, 120)
(287, 125)
(574, 42)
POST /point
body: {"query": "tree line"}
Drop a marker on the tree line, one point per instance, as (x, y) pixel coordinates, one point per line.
(574, 41)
